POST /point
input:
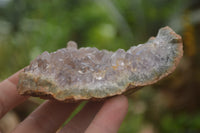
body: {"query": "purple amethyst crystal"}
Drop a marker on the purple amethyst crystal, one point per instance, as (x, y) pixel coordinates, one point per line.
(72, 74)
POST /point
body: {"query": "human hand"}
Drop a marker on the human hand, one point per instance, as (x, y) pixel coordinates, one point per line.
(95, 117)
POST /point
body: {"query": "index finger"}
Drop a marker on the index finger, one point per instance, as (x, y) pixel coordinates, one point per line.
(9, 98)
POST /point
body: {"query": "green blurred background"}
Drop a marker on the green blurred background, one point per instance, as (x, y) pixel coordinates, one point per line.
(27, 28)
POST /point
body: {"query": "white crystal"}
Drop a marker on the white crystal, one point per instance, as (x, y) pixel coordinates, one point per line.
(99, 75)
(72, 45)
(117, 59)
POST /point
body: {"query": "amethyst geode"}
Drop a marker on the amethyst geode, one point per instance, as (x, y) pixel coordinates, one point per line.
(72, 74)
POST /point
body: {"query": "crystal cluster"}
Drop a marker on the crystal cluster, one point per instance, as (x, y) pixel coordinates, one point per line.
(88, 73)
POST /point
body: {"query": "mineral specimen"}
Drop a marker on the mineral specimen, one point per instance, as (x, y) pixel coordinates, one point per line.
(72, 74)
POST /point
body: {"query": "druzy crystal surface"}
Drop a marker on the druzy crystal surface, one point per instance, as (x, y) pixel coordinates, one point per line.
(88, 73)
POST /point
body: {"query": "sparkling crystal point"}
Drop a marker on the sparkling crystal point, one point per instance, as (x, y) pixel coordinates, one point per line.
(72, 45)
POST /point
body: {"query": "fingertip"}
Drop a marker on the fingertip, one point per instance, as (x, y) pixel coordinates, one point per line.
(123, 100)
(15, 77)
(120, 102)
(110, 116)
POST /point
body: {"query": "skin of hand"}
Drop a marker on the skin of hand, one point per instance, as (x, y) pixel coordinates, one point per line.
(95, 117)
